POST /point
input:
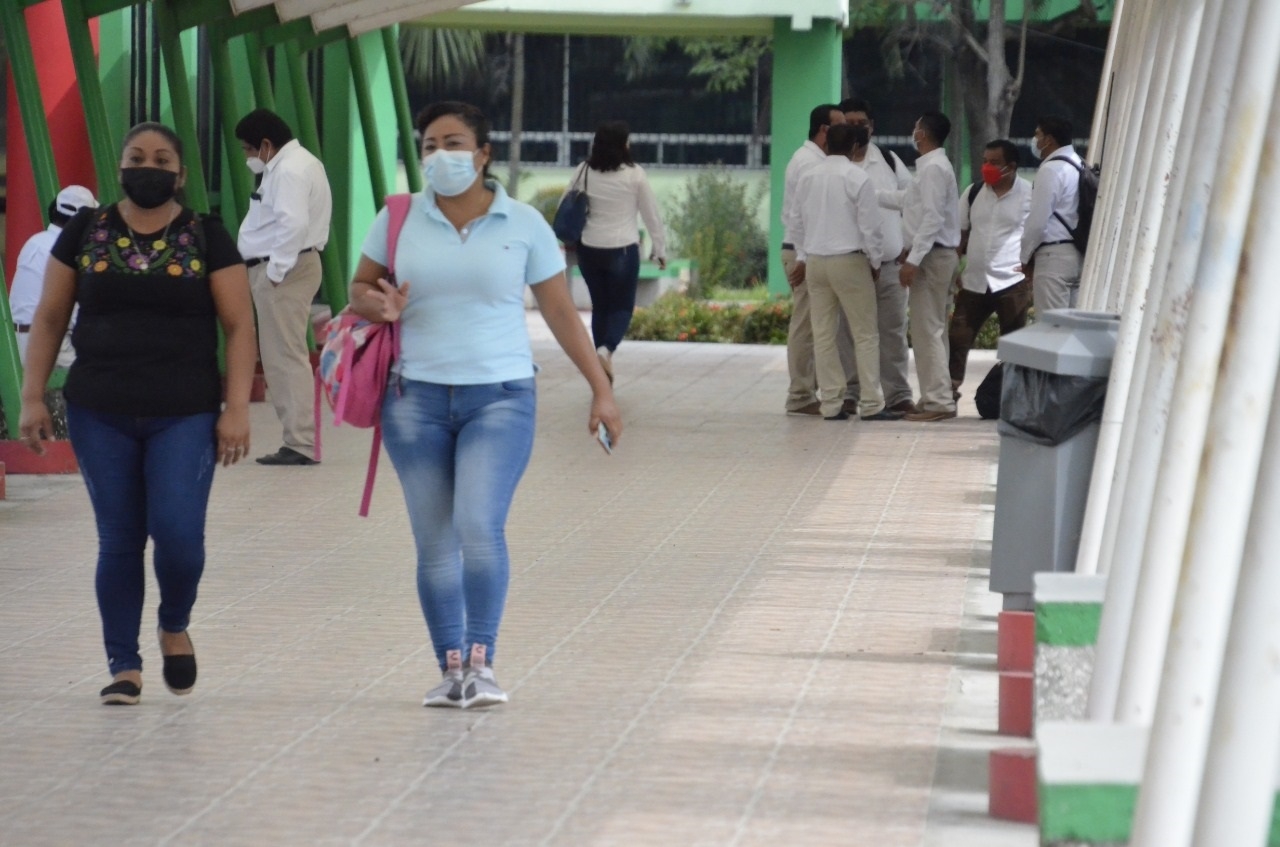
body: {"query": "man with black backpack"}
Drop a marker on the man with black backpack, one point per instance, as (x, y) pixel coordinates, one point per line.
(1055, 232)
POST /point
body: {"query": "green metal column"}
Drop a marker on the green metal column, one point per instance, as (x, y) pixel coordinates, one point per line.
(10, 369)
(400, 93)
(806, 72)
(106, 155)
(30, 104)
(335, 284)
(263, 95)
(368, 120)
(184, 116)
(224, 84)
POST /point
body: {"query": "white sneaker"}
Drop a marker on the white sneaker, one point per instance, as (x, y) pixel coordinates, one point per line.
(479, 688)
(448, 693)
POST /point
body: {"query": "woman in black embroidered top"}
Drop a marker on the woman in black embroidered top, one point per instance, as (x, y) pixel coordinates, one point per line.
(144, 409)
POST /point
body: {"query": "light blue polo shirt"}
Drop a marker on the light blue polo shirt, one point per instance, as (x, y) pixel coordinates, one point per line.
(465, 320)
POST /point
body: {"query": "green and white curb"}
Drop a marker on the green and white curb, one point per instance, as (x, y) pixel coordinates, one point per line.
(1068, 611)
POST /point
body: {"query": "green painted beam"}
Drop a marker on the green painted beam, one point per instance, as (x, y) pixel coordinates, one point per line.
(193, 13)
(404, 120)
(103, 146)
(26, 84)
(334, 284)
(368, 120)
(259, 72)
(291, 32)
(10, 364)
(251, 23)
(224, 85)
(322, 39)
(184, 116)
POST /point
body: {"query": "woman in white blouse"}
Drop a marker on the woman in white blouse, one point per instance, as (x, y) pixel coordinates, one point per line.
(609, 253)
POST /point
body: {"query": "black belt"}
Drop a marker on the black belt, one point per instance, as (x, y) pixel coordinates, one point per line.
(938, 245)
(22, 327)
(1051, 243)
(787, 245)
(258, 260)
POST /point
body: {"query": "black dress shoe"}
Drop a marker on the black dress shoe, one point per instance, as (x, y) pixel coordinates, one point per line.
(122, 692)
(841, 415)
(180, 671)
(286, 456)
(883, 415)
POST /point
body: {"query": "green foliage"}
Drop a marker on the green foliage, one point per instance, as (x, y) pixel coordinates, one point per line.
(714, 223)
(676, 317)
(432, 55)
(546, 199)
(727, 62)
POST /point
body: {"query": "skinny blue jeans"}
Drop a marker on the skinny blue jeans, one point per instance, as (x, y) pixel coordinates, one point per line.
(611, 275)
(460, 451)
(146, 477)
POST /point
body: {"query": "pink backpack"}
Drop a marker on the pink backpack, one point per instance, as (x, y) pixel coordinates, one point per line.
(356, 360)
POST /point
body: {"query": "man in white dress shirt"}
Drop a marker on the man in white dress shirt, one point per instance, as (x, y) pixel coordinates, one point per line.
(280, 240)
(992, 214)
(1049, 254)
(838, 227)
(888, 173)
(28, 274)
(802, 391)
(931, 215)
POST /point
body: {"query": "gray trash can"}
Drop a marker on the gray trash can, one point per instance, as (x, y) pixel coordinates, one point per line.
(1055, 383)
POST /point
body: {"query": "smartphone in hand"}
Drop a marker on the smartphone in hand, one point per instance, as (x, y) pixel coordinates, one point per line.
(602, 435)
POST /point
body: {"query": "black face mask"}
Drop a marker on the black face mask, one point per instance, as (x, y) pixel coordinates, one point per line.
(149, 187)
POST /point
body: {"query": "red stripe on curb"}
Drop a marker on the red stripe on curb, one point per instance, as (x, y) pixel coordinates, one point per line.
(1011, 785)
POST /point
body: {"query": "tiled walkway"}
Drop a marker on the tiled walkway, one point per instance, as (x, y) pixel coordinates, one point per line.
(741, 629)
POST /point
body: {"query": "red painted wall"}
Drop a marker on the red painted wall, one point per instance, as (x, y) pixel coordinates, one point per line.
(65, 115)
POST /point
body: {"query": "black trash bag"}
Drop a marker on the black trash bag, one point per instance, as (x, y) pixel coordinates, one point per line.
(987, 397)
(1048, 408)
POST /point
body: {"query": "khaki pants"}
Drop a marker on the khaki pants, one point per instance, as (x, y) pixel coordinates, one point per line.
(928, 299)
(284, 312)
(800, 364)
(891, 315)
(1055, 281)
(842, 285)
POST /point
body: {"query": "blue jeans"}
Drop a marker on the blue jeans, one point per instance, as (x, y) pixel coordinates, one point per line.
(611, 275)
(145, 477)
(460, 451)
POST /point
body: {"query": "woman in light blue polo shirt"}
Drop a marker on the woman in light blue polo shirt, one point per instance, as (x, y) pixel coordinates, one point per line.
(459, 421)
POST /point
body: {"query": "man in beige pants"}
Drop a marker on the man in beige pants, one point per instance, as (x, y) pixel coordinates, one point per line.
(931, 216)
(281, 239)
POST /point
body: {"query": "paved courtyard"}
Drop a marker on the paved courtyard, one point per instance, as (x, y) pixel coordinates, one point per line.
(742, 628)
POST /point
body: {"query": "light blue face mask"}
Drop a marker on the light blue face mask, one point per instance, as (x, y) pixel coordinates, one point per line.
(449, 172)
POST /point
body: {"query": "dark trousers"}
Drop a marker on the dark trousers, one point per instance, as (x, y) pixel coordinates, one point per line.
(146, 477)
(611, 275)
(1010, 306)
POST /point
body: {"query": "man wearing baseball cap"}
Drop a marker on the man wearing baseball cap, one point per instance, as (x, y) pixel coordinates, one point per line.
(28, 276)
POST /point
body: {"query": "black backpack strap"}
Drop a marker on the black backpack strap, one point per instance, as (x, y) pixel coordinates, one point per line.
(973, 193)
(894, 161)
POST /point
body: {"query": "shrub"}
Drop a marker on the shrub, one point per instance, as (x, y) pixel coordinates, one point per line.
(676, 317)
(546, 199)
(714, 223)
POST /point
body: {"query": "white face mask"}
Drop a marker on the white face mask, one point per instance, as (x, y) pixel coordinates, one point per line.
(1035, 149)
(450, 172)
(255, 164)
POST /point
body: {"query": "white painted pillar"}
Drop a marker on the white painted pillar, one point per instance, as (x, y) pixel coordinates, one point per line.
(1194, 278)
(1158, 339)
(1162, 129)
(1101, 121)
(1238, 793)
(1203, 489)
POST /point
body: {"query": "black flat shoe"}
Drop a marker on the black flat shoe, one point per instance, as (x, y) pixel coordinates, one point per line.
(286, 456)
(180, 671)
(121, 693)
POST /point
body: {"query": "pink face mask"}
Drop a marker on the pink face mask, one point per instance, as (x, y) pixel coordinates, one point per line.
(991, 174)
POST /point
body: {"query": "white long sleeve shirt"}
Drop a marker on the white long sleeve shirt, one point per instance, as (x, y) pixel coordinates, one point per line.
(808, 155)
(838, 212)
(886, 177)
(930, 215)
(1055, 190)
(289, 212)
(28, 274)
(615, 198)
(995, 237)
